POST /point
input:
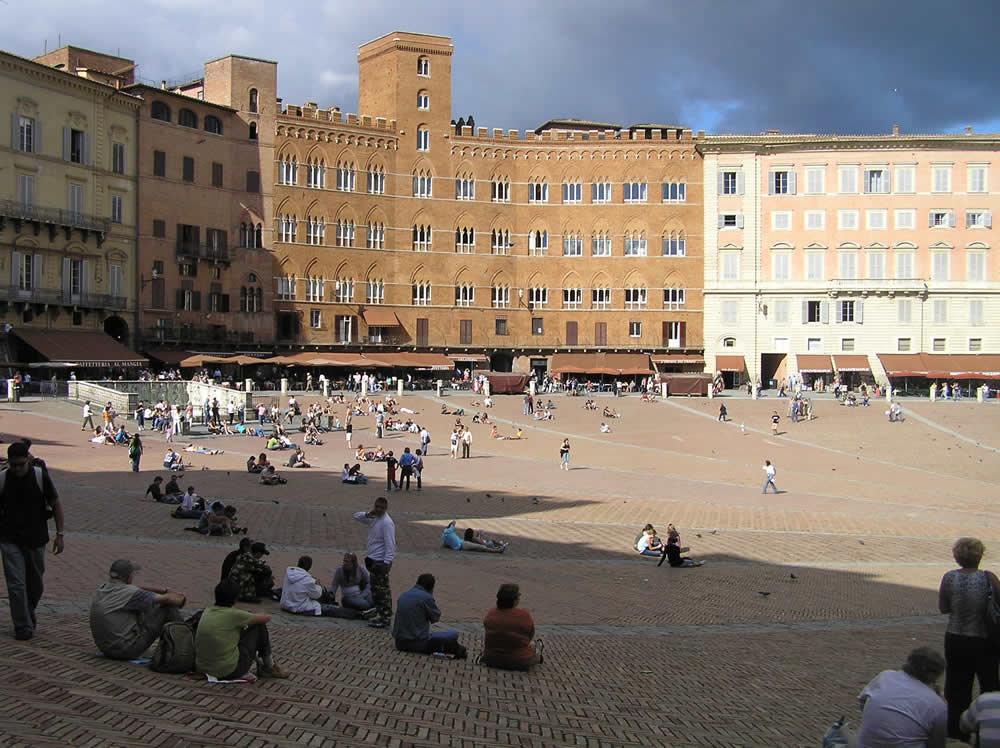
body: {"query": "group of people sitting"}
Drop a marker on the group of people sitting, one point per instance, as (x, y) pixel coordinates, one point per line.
(268, 474)
(649, 543)
(471, 540)
(111, 436)
(494, 434)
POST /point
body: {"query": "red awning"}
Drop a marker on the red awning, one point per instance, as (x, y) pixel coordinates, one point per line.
(83, 348)
(381, 318)
(962, 366)
(613, 364)
(851, 362)
(677, 358)
(903, 364)
(812, 363)
(730, 363)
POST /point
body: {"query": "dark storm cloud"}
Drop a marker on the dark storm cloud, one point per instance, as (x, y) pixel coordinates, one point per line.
(722, 66)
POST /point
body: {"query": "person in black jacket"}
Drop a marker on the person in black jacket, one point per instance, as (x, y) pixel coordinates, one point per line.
(227, 565)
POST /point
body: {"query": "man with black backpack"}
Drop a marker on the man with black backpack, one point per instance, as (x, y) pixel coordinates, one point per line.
(27, 499)
(126, 618)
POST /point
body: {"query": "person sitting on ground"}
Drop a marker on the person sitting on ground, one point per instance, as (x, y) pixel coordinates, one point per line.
(230, 559)
(352, 474)
(173, 461)
(229, 640)
(509, 631)
(487, 402)
(380, 454)
(286, 443)
(202, 450)
(416, 610)
(550, 405)
(450, 538)
(605, 429)
(648, 544)
(214, 521)
(125, 618)
(173, 489)
(192, 506)
(312, 437)
(121, 436)
(673, 554)
(355, 582)
(253, 466)
(902, 707)
(611, 412)
(360, 455)
(155, 489)
(298, 459)
(979, 721)
(273, 443)
(303, 595)
(253, 575)
(269, 477)
(493, 432)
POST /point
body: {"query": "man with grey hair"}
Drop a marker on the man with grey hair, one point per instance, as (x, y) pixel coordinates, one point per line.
(125, 618)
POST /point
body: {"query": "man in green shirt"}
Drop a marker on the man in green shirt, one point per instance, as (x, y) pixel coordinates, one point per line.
(229, 640)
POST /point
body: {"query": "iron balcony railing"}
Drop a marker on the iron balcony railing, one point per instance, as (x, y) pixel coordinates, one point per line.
(19, 211)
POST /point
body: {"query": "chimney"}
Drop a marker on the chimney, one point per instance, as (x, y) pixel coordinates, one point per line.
(163, 85)
(968, 129)
(895, 129)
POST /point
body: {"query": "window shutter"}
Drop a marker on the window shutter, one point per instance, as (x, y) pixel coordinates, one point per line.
(885, 182)
(86, 148)
(968, 220)
(988, 219)
(458, 186)
(36, 271)
(805, 312)
(739, 183)
(683, 333)
(739, 221)
(414, 185)
(824, 312)
(930, 219)
(196, 301)
(224, 303)
(84, 277)
(791, 183)
(67, 137)
(858, 313)
(951, 219)
(772, 177)
(838, 309)
(67, 278)
(15, 268)
(15, 131)
(721, 180)
(180, 298)
(722, 220)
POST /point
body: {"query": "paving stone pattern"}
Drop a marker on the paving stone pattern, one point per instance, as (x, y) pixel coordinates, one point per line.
(635, 654)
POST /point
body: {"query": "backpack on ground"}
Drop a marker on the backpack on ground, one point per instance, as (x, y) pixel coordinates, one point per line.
(174, 651)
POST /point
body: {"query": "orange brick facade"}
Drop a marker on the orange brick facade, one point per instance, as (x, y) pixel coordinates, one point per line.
(571, 238)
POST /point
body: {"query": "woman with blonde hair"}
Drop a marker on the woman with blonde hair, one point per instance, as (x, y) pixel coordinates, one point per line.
(963, 595)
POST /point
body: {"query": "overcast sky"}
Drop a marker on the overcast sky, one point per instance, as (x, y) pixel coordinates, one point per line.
(847, 66)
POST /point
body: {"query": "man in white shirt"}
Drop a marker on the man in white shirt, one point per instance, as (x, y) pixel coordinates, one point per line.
(769, 473)
(425, 439)
(88, 416)
(466, 443)
(301, 594)
(379, 554)
(902, 707)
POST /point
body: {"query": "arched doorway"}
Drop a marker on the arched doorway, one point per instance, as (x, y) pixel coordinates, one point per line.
(501, 361)
(117, 328)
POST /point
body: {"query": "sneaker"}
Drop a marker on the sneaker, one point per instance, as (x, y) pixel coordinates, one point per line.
(378, 624)
(369, 614)
(462, 653)
(24, 635)
(275, 671)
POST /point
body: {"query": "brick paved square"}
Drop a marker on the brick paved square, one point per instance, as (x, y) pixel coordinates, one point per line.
(865, 520)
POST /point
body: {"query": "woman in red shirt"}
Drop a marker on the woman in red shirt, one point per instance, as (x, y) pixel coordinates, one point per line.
(509, 631)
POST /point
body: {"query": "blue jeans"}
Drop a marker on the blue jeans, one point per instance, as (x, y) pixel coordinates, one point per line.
(23, 568)
(135, 464)
(649, 552)
(770, 482)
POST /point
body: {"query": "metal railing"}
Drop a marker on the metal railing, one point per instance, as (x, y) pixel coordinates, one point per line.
(58, 296)
(202, 251)
(877, 284)
(194, 335)
(25, 212)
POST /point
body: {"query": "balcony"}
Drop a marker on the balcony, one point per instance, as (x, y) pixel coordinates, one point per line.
(193, 250)
(17, 211)
(877, 287)
(59, 297)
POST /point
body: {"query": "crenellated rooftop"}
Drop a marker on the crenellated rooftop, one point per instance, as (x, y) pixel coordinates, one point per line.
(310, 110)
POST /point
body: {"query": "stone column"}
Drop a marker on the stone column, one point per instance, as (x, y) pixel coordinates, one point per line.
(284, 385)
(399, 386)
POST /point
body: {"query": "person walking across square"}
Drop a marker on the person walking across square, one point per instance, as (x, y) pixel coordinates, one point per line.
(769, 472)
(564, 455)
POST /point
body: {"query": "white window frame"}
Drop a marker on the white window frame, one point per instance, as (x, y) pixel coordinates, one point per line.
(500, 242)
(781, 266)
(500, 191)
(423, 100)
(674, 298)
(572, 193)
(346, 177)
(876, 180)
(976, 312)
(423, 237)
(27, 132)
(600, 245)
(423, 184)
(345, 232)
(500, 297)
(941, 179)
(903, 265)
(781, 310)
(572, 245)
(343, 290)
(876, 220)
(847, 265)
(905, 177)
(465, 188)
(939, 311)
(635, 329)
(905, 219)
(815, 220)
(117, 208)
(600, 298)
(465, 295)
(423, 139)
(118, 157)
(420, 293)
(374, 292)
(814, 174)
(781, 220)
(875, 267)
(636, 298)
(315, 319)
(847, 179)
(376, 181)
(904, 312)
(674, 192)
(538, 192)
(729, 311)
(975, 265)
(815, 266)
(465, 240)
(538, 242)
(538, 297)
(635, 245)
(940, 265)
(977, 178)
(572, 298)
(375, 236)
(729, 265)
(847, 220)
(26, 190)
(978, 219)
(674, 244)
(635, 192)
(600, 192)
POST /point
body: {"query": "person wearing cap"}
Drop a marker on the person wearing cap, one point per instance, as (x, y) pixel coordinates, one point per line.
(27, 500)
(230, 640)
(303, 595)
(253, 575)
(126, 618)
(230, 559)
